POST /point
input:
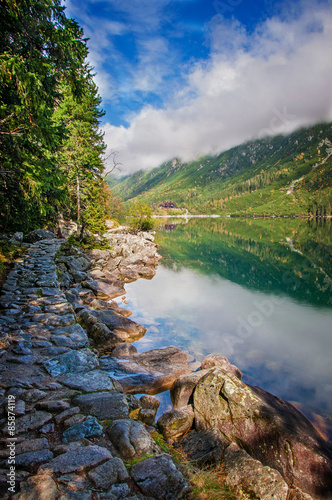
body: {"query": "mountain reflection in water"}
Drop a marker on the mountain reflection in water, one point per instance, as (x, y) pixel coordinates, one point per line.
(255, 291)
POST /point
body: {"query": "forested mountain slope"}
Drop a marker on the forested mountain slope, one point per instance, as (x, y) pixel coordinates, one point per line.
(280, 175)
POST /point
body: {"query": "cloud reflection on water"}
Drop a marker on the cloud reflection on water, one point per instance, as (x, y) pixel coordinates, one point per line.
(288, 353)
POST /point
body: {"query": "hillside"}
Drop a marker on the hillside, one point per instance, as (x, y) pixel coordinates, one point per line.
(283, 175)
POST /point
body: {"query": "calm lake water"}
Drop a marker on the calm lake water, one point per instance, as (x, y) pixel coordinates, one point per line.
(256, 291)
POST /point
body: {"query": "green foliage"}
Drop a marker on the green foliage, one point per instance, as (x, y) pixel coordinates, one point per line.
(139, 215)
(38, 47)
(283, 175)
(274, 255)
(86, 242)
(50, 143)
(80, 156)
(8, 252)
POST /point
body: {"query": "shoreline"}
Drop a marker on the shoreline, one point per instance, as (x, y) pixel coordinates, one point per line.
(66, 391)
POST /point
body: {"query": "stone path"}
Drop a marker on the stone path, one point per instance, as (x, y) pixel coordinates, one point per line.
(66, 426)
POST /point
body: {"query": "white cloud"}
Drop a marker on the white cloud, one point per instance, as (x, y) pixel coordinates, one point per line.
(273, 81)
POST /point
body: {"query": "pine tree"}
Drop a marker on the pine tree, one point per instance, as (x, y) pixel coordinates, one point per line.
(80, 157)
(38, 47)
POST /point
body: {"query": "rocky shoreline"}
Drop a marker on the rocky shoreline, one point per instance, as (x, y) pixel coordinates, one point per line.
(71, 430)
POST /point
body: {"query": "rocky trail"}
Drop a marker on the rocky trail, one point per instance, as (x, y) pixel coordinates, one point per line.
(72, 427)
(57, 403)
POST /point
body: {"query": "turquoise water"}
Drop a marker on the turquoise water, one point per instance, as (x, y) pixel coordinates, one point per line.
(257, 292)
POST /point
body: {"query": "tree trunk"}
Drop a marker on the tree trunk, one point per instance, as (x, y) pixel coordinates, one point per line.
(78, 199)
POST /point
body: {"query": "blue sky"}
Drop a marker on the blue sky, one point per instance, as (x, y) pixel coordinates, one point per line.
(181, 78)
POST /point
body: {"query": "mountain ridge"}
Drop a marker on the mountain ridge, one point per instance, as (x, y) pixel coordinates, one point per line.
(281, 175)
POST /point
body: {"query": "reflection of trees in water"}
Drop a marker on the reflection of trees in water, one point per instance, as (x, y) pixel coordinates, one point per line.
(289, 256)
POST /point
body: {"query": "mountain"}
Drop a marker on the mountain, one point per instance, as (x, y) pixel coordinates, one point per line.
(282, 175)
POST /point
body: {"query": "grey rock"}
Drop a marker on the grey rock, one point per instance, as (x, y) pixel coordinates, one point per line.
(55, 351)
(95, 380)
(77, 495)
(74, 420)
(71, 461)
(213, 360)
(33, 395)
(62, 308)
(131, 439)
(158, 477)
(204, 448)
(119, 492)
(54, 406)
(38, 235)
(21, 349)
(183, 387)
(48, 428)
(32, 445)
(32, 458)
(107, 405)
(66, 414)
(24, 360)
(17, 237)
(19, 407)
(104, 288)
(124, 328)
(88, 428)
(71, 362)
(41, 343)
(124, 350)
(39, 487)
(175, 423)
(32, 421)
(249, 475)
(111, 472)
(270, 429)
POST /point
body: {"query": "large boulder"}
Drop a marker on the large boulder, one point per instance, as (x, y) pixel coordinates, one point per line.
(270, 429)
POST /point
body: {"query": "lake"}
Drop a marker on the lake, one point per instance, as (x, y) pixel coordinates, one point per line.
(256, 291)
